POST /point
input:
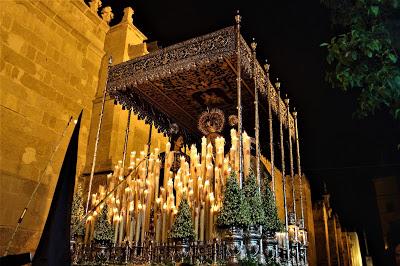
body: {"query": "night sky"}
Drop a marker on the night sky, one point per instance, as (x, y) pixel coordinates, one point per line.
(336, 148)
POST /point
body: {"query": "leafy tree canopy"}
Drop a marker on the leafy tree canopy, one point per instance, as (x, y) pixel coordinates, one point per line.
(364, 57)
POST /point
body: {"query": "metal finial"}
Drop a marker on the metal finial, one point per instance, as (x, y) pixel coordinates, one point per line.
(277, 84)
(253, 44)
(266, 65)
(286, 100)
(238, 18)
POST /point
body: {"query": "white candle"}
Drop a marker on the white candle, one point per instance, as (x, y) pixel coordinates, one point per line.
(116, 224)
(201, 235)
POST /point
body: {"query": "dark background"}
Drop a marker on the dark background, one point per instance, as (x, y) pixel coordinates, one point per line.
(341, 150)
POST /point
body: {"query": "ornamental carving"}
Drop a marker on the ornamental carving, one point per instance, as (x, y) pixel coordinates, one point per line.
(179, 81)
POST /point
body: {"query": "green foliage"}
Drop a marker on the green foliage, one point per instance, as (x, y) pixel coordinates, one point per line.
(183, 226)
(253, 198)
(103, 230)
(235, 209)
(249, 261)
(272, 222)
(365, 57)
(77, 213)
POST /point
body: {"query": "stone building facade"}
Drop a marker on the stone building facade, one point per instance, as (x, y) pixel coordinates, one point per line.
(334, 246)
(51, 54)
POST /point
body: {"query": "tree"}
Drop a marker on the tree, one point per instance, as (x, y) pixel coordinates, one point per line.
(235, 210)
(77, 213)
(272, 222)
(253, 198)
(183, 225)
(103, 230)
(364, 57)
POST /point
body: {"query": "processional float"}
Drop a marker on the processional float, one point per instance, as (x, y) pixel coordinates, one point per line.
(206, 77)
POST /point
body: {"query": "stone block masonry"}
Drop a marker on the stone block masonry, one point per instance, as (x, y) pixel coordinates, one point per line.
(51, 54)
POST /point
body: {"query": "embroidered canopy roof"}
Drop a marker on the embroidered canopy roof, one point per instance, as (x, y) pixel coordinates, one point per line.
(177, 83)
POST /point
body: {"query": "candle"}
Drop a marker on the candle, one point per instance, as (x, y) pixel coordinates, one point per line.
(158, 227)
(164, 223)
(196, 223)
(143, 216)
(138, 223)
(211, 224)
(116, 224)
(156, 177)
(131, 228)
(92, 223)
(201, 227)
(87, 230)
(121, 228)
(203, 156)
(132, 160)
(246, 154)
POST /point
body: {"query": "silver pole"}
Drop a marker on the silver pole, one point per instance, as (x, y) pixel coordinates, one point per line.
(257, 118)
(261, 257)
(239, 98)
(292, 175)
(299, 173)
(291, 160)
(97, 138)
(298, 163)
(126, 139)
(283, 170)
(271, 133)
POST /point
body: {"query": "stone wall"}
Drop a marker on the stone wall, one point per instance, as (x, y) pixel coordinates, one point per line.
(321, 233)
(333, 241)
(51, 52)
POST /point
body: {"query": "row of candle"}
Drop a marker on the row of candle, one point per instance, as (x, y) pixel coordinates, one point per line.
(140, 193)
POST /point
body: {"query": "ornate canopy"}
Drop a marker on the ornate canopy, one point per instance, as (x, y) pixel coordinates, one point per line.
(177, 83)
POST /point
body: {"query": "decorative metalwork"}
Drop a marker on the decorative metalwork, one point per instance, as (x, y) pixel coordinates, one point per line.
(271, 132)
(294, 242)
(211, 121)
(234, 244)
(239, 96)
(233, 120)
(253, 237)
(256, 118)
(193, 67)
(172, 252)
(302, 227)
(286, 246)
